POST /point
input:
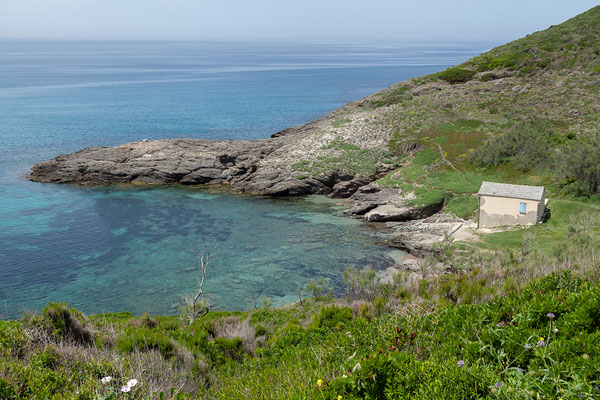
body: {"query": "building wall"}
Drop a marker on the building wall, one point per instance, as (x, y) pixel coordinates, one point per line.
(498, 211)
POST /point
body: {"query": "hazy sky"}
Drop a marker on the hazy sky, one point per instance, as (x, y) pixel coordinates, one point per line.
(285, 20)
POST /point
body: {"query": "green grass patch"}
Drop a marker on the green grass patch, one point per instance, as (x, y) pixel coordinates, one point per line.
(346, 157)
(427, 197)
(453, 181)
(566, 216)
(340, 144)
(463, 206)
(341, 122)
(395, 95)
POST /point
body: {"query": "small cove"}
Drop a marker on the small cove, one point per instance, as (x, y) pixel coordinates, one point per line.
(137, 246)
(110, 249)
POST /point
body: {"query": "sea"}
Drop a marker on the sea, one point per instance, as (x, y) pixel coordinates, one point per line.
(118, 248)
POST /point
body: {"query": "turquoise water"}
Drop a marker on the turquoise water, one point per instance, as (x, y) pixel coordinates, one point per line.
(120, 248)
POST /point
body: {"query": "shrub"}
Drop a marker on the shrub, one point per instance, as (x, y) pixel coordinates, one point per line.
(230, 348)
(365, 312)
(528, 145)
(234, 328)
(360, 284)
(318, 288)
(488, 76)
(145, 339)
(379, 303)
(456, 75)
(394, 95)
(13, 340)
(6, 389)
(67, 323)
(147, 321)
(579, 166)
(331, 316)
(46, 357)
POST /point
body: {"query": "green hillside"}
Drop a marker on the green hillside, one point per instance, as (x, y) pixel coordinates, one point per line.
(574, 44)
(515, 114)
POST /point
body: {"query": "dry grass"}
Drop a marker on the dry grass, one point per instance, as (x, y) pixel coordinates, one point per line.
(233, 327)
(488, 274)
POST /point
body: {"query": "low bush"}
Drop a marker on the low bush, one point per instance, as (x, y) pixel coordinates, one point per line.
(488, 76)
(543, 340)
(65, 322)
(360, 284)
(528, 145)
(230, 348)
(332, 316)
(579, 166)
(456, 75)
(145, 339)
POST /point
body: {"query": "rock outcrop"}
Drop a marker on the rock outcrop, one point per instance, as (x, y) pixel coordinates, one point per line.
(240, 164)
(383, 204)
(184, 161)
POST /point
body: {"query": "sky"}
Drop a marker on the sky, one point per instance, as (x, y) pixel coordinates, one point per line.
(316, 21)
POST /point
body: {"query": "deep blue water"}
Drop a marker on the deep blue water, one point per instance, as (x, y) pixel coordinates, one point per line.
(120, 248)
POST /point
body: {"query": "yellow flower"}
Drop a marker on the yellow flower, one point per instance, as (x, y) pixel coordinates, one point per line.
(541, 339)
(340, 397)
(320, 382)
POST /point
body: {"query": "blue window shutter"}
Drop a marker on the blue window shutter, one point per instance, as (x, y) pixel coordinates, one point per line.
(523, 208)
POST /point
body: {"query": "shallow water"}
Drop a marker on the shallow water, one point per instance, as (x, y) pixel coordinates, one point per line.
(125, 248)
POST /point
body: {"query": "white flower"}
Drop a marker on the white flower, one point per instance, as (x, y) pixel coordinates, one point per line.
(106, 379)
(555, 330)
(132, 382)
(125, 389)
(356, 367)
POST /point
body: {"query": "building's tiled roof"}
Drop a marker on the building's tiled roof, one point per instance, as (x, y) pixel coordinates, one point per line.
(514, 191)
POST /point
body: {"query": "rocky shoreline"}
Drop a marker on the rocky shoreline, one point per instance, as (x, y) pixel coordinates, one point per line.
(247, 166)
(243, 165)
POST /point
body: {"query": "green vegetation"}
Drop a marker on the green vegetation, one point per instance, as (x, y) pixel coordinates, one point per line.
(528, 145)
(579, 165)
(394, 95)
(348, 157)
(569, 220)
(341, 122)
(517, 318)
(568, 45)
(456, 75)
(530, 107)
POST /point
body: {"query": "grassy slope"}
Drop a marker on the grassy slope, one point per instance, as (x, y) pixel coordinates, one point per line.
(552, 74)
(366, 354)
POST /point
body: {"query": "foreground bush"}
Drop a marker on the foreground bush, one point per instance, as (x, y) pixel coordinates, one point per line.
(540, 341)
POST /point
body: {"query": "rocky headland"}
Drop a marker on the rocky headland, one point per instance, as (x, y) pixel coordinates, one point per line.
(252, 166)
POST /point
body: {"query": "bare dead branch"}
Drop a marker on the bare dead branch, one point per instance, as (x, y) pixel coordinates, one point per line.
(195, 308)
